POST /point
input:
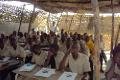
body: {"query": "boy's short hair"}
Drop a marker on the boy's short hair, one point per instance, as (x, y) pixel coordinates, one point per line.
(75, 43)
(54, 46)
(34, 47)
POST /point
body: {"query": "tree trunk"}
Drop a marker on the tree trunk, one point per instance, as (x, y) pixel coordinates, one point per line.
(48, 20)
(21, 18)
(66, 20)
(112, 33)
(96, 38)
(117, 36)
(70, 24)
(58, 21)
(31, 19)
(79, 26)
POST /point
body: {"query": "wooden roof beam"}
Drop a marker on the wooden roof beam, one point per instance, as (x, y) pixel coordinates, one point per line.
(66, 1)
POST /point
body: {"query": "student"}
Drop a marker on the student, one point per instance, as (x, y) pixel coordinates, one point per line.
(62, 43)
(113, 72)
(77, 62)
(84, 48)
(14, 35)
(38, 35)
(39, 56)
(32, 33)
(102, 53)
(26, 35)
(15, 51)
(21, 38)
(3, 48)
(28, 44)
(68, 43)
(55, 56)
(3, 37)
(90, 46)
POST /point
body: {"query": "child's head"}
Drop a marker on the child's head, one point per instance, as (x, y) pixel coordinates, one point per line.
(36, 49)
(13, 43)
(1, 43)
(54, 49)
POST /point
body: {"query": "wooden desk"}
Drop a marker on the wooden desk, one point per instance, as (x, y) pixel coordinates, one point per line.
(31, 74)
(5, 65)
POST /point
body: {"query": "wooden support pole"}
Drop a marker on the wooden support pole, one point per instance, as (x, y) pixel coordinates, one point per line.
(66, 20)
(48, 20)
(31, 19)
(117, 36)
(112, 33)
(58, 21)
(79, 26)
(21, 18)
(70, 23)
(95, 7)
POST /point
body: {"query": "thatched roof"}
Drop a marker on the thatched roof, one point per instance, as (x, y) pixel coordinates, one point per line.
(55, 6)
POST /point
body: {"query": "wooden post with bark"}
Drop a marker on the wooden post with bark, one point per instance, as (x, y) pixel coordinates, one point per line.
(58, 21)
(95, 7)
(21, 18)
(31, 19)
(71, 23)
(79, 26)
(66, 20)
(112, 33)
(48, 21)
(117, 36)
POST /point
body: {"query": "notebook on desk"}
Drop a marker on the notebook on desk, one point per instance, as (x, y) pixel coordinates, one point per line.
(45, 72)
(68, 76)
(27, 67)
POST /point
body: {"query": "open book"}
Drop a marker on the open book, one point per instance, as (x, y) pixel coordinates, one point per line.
(68, 76)
(27, 67)
(45, 72)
